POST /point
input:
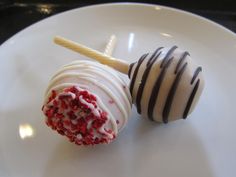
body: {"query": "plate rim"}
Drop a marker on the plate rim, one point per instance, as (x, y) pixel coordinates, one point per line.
(190, 14)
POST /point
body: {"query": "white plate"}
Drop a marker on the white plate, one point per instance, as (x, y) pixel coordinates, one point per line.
(203, 145)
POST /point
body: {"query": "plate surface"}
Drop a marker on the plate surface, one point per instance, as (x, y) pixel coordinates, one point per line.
(203, 145)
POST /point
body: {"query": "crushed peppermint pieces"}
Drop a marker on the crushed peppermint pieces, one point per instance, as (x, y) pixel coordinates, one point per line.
(79, 120)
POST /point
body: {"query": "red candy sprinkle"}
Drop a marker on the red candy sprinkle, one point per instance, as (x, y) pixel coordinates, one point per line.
(59, 116)
(67, 122)
(71, 115)
(53, 95)
(66, 114)
(63, 104)
(111, 101)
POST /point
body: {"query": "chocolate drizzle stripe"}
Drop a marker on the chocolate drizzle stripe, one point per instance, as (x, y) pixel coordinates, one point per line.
(197, 71)
(171, 94)
(155, 90)
(130, 69)
(190, 100)
(143, 83)
(136, 72)
(181, 60)
(166, 58)
(153, 55)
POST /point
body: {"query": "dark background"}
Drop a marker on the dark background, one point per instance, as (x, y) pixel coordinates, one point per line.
(16, 15)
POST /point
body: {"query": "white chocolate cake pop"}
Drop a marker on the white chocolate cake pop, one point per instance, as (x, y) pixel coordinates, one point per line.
(87, 102)
(165, 85)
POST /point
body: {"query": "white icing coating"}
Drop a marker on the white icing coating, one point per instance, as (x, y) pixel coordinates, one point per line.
(92, 79)
(103, 82)
(78, 65)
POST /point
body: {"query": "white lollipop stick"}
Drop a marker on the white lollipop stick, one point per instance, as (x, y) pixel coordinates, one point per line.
(110, 46)
(117, 64)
